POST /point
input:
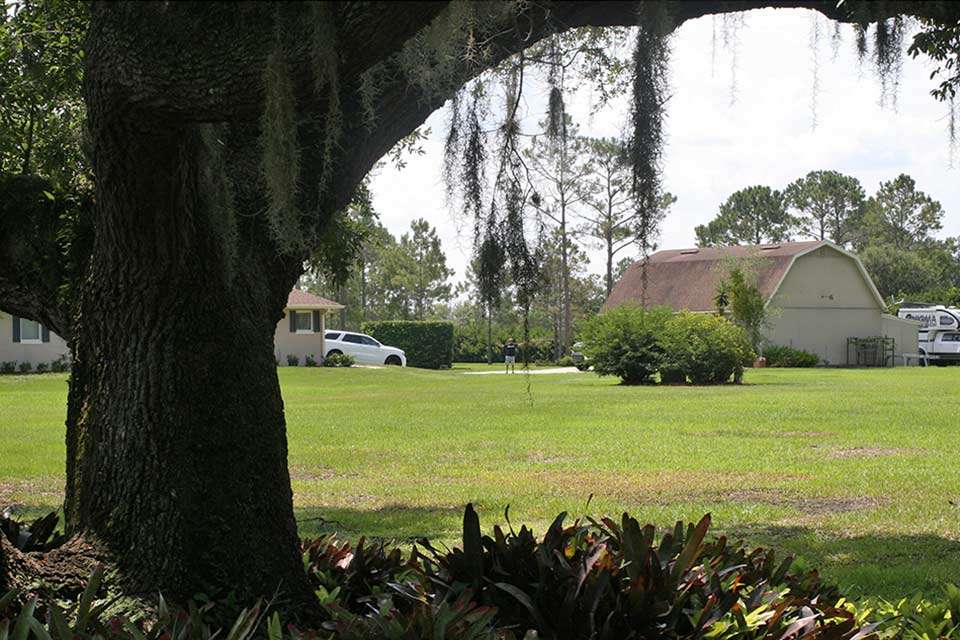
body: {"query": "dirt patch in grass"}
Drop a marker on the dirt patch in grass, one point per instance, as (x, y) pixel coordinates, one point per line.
(807, 505)
(539, 457)
(652, 487)
(38, 491)
(844, 453)
(807, 434)
(303, 474)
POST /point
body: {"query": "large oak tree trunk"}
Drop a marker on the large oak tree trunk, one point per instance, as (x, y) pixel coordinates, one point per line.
(177, 452)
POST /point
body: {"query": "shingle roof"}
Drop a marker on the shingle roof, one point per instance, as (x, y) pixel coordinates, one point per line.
(299, 299)
(688, 278)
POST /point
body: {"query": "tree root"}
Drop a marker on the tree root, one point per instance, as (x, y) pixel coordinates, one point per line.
(61, 573)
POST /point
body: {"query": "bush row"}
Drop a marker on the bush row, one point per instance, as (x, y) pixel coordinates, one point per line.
(334, 360)
(604, 579)
(778, 356)
(468, 347)
(635, 344)
(427, 344)
(12, 366)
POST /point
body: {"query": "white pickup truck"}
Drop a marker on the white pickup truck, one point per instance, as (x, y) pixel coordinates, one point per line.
(939, 337)
(363, 348)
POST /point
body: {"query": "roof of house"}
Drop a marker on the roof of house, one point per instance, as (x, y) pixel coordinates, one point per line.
(688, 278)
(299, 299)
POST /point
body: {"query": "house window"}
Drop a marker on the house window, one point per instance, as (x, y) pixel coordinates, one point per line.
(30, 331)
(304, 322)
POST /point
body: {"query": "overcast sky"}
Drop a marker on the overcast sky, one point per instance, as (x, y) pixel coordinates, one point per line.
(714, 147)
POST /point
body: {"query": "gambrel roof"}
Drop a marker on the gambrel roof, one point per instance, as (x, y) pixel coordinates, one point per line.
(688, 278)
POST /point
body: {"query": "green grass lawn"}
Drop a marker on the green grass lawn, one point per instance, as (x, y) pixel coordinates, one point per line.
(853, 470)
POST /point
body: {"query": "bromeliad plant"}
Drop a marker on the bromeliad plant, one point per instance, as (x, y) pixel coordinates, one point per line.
(602, 579)
(593, 579)
(39, 535)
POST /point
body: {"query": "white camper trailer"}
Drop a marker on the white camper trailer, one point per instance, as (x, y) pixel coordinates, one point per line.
(939, 338)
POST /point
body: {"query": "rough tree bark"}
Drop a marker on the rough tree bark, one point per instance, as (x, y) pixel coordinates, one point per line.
(176, 444)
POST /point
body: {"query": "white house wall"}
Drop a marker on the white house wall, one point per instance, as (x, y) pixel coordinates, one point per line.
(44, 352)
(300, 345)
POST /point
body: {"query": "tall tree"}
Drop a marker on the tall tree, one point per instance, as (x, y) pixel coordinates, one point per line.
(557, 167)
(900, 215)
(612, 215)
(754, 215)
(342, 251)
(828, 206)
(41, 121)
(423, 273)
(222, 140)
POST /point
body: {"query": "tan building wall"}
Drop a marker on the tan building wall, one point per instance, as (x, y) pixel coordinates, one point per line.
(33, 353)
(905, 334)
(825, 299)
(301, 345)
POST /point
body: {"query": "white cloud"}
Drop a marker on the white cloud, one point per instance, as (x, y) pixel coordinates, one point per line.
(715, 148)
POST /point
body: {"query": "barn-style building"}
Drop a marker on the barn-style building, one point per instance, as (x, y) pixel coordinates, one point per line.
(819, 294)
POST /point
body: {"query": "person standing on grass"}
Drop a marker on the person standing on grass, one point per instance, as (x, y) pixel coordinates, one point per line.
(510, 356)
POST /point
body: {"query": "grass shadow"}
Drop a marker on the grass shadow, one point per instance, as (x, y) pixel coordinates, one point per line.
(395, 523)
(894, 565)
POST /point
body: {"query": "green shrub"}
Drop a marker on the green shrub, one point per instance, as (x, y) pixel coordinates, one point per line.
(428, 345)
(566, 361)
(309, 361)
(9, 366)
(672, 375)
(338, 360)
(25, 367)
(782, 356)
(60, 365)
(704, 348)
(42, 367)
(293, 360)
(624, 342)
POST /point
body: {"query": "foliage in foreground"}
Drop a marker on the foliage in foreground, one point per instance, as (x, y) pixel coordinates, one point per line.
(591, 579)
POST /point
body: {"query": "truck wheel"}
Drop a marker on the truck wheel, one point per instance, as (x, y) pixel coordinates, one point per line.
(334, 352)
(393, 360)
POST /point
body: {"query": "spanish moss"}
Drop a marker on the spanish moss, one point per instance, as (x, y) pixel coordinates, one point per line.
(326, 69)
(651, 60)
(280, 163)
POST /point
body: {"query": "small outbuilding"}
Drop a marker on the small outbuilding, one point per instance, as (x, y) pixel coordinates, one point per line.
(819, 294)
(300, 334)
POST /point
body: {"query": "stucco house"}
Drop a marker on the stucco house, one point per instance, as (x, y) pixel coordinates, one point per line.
(300, 332)
(23, 340)
(819, 293)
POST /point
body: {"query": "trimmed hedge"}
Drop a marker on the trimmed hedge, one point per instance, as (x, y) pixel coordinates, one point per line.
(781, 356)
(428, 345)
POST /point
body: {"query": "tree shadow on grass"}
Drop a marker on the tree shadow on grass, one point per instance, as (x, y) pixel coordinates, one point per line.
(396, 523)
(887, 565)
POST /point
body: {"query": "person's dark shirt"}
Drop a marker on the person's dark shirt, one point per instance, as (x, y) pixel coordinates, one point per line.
(510, 349)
